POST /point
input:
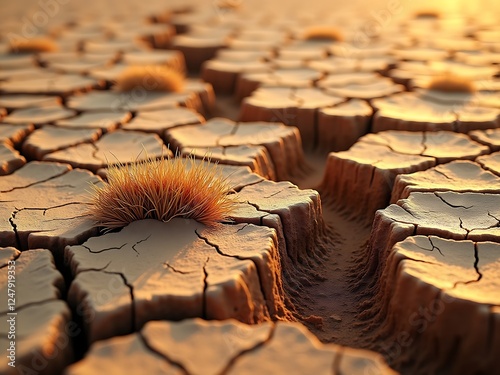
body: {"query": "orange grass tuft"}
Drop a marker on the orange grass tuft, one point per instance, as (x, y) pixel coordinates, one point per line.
(427, 14)
(162, 189)
(150, 78)
(323, 33)
(34, 45)
(452, 83)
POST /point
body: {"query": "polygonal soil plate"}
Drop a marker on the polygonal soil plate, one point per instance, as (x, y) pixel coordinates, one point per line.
(33, 313)
(44, 206)
(113, 148)
(227, 347)
(153, 270)
(451, 279)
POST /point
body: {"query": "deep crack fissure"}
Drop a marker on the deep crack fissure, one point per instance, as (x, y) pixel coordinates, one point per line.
(476, 262)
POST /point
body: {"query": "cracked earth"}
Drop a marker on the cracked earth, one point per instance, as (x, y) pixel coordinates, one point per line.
(365, 233)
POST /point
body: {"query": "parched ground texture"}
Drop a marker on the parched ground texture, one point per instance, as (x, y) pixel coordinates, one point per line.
(364, 237)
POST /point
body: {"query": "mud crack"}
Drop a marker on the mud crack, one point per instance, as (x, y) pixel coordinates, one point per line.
(205, 287)
(30, 304)
(105, 249)
(16, 257)
(14, 229)
(35, 183)
(449, 204)
(172, 268)
(139, 242)
(240, 354)
(257, 268)
(442, 174)
(434, 247)
(132, 298)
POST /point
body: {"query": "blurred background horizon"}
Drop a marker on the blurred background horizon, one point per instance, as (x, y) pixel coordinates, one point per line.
(13, 12)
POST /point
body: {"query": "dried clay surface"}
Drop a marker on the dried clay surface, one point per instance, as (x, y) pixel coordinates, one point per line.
(44, 206)
(34, 313)
(225, 347)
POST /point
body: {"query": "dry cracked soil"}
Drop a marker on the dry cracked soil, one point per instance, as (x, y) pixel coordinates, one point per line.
(361, 144)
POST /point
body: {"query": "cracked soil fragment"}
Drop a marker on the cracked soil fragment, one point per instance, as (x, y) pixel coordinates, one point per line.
(175, 270)
(443, 293)
(42, 321)
(459, 176)
(113, 148)
(450, 215)
(198, 347)
(43, 206)
(282, 143)
(361, 179)
(10, 159)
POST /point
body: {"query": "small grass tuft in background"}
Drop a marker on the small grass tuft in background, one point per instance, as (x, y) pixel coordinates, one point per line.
(427, 14)
(33, 45)
(150, 78)
(452, 83)
(323, 33)
(162, 189)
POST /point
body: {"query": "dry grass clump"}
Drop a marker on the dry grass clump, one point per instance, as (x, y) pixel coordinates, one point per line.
(34, 45)
(162, 189)
(452, 83)
(150, 78)
(427, 14)
(323, 33)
